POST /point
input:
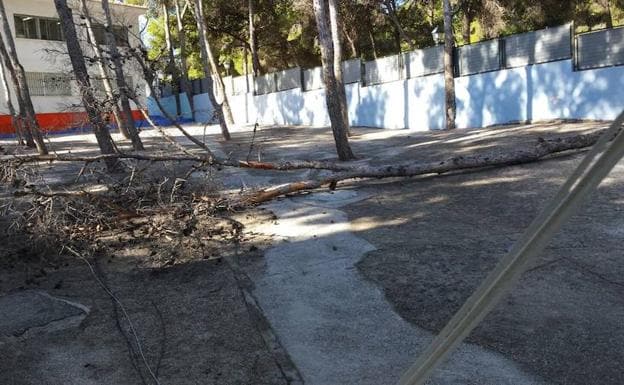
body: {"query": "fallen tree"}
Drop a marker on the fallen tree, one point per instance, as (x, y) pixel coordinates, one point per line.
(344, 171)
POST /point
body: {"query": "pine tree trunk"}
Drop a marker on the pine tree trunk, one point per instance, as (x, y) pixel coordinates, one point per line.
(99, 57)
(20, 123)
(225, 103)
(332, 93)
(124, 94)
(89, 101)
(466, 27)
(334, 22)
(184, 78)
(172, 68)
(354, 50)
(449, 77)
(253, 41)
(371, 37)
(205, 50)
(19, 76)
(399, 31)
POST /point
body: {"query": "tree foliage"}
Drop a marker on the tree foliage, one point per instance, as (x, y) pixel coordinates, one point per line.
(287, 35)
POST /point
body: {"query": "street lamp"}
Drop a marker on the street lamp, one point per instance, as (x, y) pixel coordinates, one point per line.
(437, 36)
(226, 65)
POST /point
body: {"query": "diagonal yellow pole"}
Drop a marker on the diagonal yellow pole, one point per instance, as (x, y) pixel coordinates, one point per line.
(597, 164)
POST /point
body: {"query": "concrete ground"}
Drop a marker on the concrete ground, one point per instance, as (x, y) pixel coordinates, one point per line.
(357, 280)
(426, 244)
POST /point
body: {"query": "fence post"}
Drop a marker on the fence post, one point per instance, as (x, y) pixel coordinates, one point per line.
(502, 54)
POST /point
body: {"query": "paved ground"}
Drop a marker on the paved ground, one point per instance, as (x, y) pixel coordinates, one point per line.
(434, 239)
(357, 281)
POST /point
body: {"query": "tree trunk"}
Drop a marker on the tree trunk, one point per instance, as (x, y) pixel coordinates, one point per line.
(9, 103)
(608, 14)
(172, 67)
(332, 93)
(335, 26)
(82, 78)
(19, 76)
(371, 37)
(97, 52)
(400, 32)
(205, 50)
(253, 41)
(466, 27)
(21, 122)
(449, 76)
(225, 103)
(354, 50)
(124, 93)
(184, 78)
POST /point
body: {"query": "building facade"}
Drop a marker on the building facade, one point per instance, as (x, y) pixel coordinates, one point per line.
(42, 52)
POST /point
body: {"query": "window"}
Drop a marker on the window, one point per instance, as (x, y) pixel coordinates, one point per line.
(120, 33)
(50, 29)
(42, 28)
(48, 84)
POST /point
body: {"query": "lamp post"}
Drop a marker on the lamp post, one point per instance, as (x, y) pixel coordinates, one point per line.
(437, 36)
(226, 65)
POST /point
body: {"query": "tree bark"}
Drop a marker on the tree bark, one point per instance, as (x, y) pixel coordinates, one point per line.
(449, 76)
(335, 26)
(253, 40)
(371, 37)
(172, 67)
(184, 78)
(332, 92)
(205, 50)
(20, 123)
(466, 27)
(225, 103)
(97, 52)
(352, 46)
(124, 93)
(89, 101)
(19, 76)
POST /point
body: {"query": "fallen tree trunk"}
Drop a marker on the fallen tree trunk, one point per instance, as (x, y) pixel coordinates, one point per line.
(543, 149)
(341, 172)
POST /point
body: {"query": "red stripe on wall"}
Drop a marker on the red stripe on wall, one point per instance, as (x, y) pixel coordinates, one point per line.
(57, 121)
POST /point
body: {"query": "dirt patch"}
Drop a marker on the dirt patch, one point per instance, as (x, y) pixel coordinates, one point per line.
(437, 238)
(166, 250)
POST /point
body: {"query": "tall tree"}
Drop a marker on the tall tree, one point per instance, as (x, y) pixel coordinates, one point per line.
(332, 93)
(124, 93)
(89, 101)
(184, 77)
(449, 76)
(100, 59)
(206, 54)
(335, 26)
(253, 40)
(19, 76)
(172, 68)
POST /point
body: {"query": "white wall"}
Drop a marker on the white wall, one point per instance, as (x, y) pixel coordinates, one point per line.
(531, 93)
